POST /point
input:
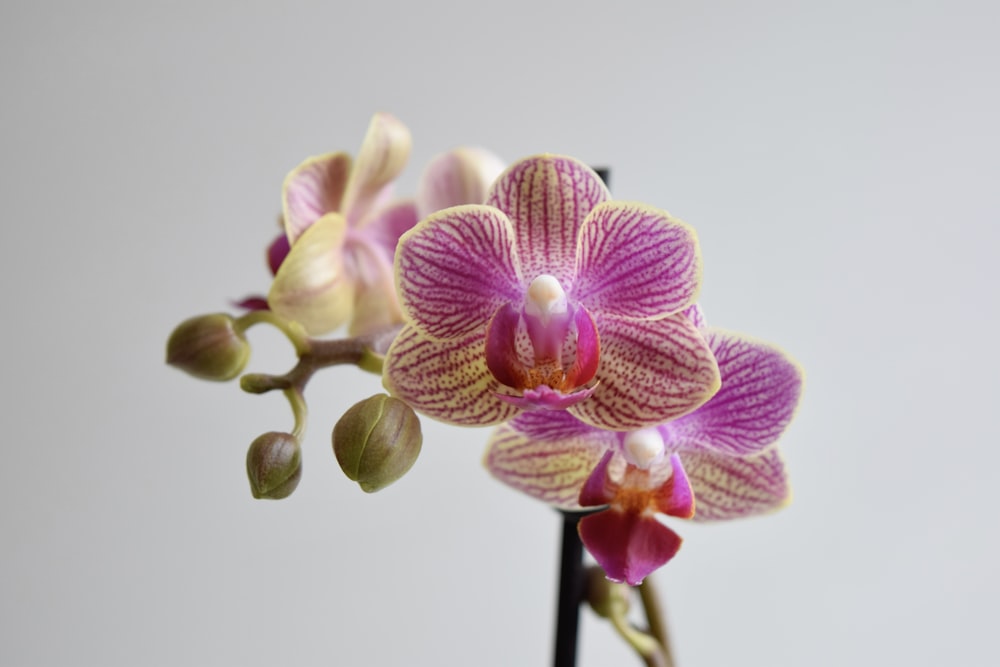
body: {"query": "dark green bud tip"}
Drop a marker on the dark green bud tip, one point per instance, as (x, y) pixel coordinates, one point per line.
(274, 465)
(377, 441)
(208, 347)
(607, 598)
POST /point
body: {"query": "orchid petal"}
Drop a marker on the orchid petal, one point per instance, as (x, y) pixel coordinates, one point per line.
(650, 372)
(389, 223)
(313, 286)
(460, 176)
(552, 471)
(383, 154)
(313, 189)
(277, 252)
(446, 380)
(599, 489)
(760, 392)
(455, 268)
(696, 315)
(628, 546)
(676, 497)
(547, 197)
(554, 427)
(636, 261)
(375, 303)
(731, 487)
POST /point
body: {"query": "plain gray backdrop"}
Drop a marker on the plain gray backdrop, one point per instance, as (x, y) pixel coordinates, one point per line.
(839, 161)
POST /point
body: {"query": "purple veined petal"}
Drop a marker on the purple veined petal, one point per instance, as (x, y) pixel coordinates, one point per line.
(696, 315)
(460, 176)
(761, 386)
(636, 261)
(628, 546)
(313, 286)
(547, 198)
(557, 426)
(375, 303)
(383, 154)
(455, 269)
(388, 224)
(446, 380)
(313, 189)
(732, 487)
(650, 372)
(550, 471)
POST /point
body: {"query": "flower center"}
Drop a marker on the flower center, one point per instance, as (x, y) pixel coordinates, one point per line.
(644, 447)
(544, 343)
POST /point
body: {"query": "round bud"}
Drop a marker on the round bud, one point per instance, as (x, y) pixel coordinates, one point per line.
(607, 598)
(274, 465)
(208, 347)
(377, 441)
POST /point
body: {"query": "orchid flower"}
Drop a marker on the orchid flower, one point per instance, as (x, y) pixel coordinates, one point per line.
(341, 229)
(550, 297)
(719, 459)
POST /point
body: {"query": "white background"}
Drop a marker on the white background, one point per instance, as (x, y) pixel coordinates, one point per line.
(838, 159)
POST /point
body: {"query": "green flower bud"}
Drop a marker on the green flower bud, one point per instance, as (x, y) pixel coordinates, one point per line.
(208, 347)
(377, 441)
(607, 598)
(274, 465)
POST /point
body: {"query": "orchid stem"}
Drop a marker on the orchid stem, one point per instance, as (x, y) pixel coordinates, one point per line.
(571, 581)
(656, 619)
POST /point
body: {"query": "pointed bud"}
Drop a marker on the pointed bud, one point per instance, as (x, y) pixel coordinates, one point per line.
(377, 441)
(208, 347)
(274, 465)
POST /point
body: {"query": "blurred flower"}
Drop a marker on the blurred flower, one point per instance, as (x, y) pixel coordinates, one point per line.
(718, 459)
(342, 229)
(550, 297)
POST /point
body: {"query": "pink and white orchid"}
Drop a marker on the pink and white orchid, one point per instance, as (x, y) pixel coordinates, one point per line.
(341, 227)
(550, 297)
(715, 463)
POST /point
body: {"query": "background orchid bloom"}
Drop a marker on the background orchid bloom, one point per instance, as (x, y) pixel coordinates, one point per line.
(342, 229)
(715, 463)
(550, 297)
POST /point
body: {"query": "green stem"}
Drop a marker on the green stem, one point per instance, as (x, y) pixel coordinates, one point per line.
(646, 646)
(292, 330)
(656, 619)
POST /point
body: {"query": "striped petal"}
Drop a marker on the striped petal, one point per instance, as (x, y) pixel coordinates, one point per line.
(445, 380)
(636, 261)
(313, 285)
(551, 470)
(460, 176)
(313, 189)
(628, 546)
(650, 372)
(761, 386)
(455, 269)
(731, 487)
(547, 198)
(383, 154)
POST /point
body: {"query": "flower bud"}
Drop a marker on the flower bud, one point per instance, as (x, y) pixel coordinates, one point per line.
(208, 347)
(377, 441)
(274, 465)
(607, 598)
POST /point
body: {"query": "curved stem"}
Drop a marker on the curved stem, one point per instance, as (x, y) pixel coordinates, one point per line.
(645, 645)
(656, 619)
(292, 330)
(299, 412)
